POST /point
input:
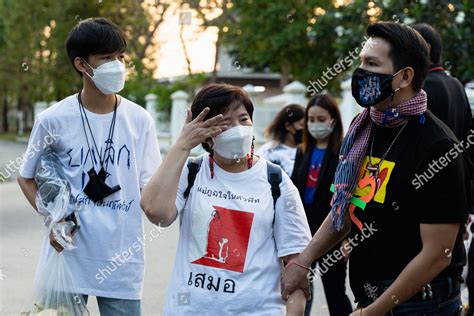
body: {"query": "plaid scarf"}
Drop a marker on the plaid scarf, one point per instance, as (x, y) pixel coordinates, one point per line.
(355, 146)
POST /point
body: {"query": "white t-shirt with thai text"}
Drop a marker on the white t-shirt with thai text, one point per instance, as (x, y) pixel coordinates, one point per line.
(109, 258)
(231, 241)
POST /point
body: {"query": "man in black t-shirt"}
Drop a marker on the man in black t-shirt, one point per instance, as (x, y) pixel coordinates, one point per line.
(400, 189)
(447, 98)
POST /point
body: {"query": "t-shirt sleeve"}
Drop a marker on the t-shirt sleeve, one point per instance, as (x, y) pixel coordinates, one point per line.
(151, 158)
(444, 197)
(183, 184)
(40, 138)
(291, 228)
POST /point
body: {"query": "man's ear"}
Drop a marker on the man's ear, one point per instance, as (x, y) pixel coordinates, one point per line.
(81, 65)
(406, 77)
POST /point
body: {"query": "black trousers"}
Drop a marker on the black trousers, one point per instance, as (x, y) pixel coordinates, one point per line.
(334, 283)
(470, 276)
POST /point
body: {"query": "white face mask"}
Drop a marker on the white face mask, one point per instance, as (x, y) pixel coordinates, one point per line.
(109, 77)
(320, 130)
(235, 142)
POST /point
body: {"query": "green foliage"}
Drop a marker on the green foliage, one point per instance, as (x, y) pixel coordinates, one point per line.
(136, 88)
(306, 37)
(37, 37)
(190, 84)
(299, 39)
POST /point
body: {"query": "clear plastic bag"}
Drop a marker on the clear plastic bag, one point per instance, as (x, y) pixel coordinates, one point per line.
(54, 293)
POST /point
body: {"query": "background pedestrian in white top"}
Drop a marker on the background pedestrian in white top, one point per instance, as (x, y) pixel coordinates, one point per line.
(233, 238)
(286, 132)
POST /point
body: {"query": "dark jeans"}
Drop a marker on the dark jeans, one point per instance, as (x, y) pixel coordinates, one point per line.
(334, 283)
(449, 305)
(117, 307)
(470, 276)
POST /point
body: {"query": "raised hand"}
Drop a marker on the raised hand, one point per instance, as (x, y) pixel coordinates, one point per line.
(197, 131)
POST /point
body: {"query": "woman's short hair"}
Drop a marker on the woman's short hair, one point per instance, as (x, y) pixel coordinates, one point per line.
(220, 98)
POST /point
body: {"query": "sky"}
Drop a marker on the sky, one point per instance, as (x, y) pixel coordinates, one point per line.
(200, 45)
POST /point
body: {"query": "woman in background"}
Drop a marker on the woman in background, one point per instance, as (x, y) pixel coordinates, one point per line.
(315, 165)
(286, 131)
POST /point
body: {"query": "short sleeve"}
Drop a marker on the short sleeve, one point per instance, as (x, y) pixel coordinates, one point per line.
(443, 195)
(183, 184)
(291, 228)
(151, 158)
(40, 139)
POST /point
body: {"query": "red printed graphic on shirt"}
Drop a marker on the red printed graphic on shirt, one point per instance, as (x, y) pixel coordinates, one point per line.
(228, 235)
(313, 175)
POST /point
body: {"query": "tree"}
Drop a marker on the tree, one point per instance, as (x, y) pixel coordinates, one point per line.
(301, 39)
(33, 60)
(214, 13)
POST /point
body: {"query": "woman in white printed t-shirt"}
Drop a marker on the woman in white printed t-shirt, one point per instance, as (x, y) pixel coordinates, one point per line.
(233, 240)
(286, 131)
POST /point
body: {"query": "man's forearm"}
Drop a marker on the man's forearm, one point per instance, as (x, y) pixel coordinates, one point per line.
(324, 240)
(419, 272)
(29, 189)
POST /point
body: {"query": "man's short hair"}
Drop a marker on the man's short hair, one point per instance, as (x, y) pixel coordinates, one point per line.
(408, 48)
(432, 37)
(94, 36)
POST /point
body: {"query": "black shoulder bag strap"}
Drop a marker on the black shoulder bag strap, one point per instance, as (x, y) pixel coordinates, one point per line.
(194, 164)
(274, 178)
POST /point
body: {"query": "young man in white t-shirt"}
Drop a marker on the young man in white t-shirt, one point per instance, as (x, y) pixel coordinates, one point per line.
(97, 130)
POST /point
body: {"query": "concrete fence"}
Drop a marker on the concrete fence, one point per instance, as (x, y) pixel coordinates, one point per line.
(169, 129)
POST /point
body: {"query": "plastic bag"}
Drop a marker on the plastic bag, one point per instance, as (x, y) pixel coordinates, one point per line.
(54, 293)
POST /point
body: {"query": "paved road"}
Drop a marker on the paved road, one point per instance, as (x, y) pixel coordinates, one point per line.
(10, 152)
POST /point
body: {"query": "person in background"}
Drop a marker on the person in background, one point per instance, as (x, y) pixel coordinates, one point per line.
(447, 98)
(286, 131)
(315, 165)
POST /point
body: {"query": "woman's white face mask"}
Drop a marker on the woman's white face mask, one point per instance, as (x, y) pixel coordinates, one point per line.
(234, 143)
(320, 130)
(109, 77)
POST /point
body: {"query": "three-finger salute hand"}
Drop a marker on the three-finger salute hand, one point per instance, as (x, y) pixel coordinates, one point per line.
(197, 131)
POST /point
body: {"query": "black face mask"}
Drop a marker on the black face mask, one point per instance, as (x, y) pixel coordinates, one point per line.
(298, 136)
(370, 88)
(96, 189)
